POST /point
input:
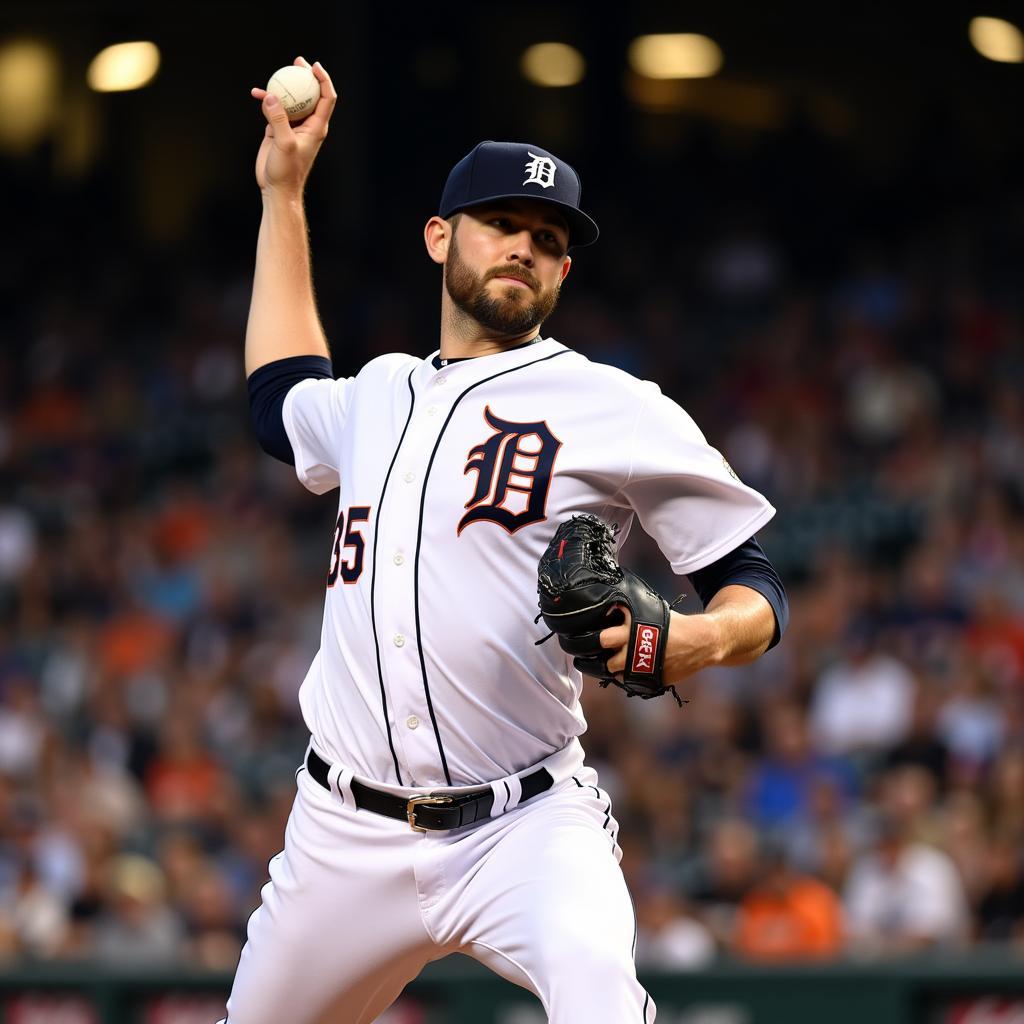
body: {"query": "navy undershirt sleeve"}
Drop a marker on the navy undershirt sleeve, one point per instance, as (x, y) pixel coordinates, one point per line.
(748, 566)
(268, 386)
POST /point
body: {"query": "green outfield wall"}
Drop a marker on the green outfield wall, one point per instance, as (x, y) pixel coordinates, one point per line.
(983, 988)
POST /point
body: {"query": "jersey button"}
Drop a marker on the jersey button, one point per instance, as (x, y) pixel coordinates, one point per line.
(442, 380)
(409, 477)
(399, 640)
(399, 558)
(432, 411)
(413, 722)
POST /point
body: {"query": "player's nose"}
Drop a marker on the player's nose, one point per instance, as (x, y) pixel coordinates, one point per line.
(520, 248)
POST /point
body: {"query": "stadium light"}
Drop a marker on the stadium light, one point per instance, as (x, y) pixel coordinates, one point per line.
(675, 55)
(997, 40)
(123, 67)
(29, 76)
(553, 65)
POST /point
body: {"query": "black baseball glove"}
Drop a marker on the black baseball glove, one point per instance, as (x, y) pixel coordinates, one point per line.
(579, 583)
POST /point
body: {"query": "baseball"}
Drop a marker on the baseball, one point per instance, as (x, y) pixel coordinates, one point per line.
(297, 88)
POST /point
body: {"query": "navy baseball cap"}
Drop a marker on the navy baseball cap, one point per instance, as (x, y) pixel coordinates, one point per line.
(516, 170)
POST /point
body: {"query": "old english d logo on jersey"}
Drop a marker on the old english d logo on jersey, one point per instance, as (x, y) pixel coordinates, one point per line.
(513, 473)
(646, 650)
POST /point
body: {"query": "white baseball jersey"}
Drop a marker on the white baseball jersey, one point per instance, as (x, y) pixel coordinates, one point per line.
(452, 482)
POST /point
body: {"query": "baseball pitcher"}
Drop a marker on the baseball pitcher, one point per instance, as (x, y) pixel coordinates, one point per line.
(444, 804)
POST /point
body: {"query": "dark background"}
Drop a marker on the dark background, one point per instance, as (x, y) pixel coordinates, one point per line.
(840, 131)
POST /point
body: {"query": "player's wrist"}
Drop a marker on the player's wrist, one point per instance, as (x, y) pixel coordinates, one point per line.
(288, 198)
(695, 642)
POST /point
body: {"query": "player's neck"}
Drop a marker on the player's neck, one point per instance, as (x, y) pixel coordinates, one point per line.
(462, 337)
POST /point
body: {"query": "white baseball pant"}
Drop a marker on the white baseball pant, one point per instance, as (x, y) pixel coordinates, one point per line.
(358, 903)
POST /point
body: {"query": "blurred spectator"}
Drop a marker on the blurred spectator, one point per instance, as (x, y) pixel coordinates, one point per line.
(925, 615)
(863, 703)
(782, 781)
(964, 836)
(136, 926)
(89, 903)
(971, 724)
(212, 921)
(133, 641)
(34, 919)
(909, 794)
(995, 634)
(182, 778)
(729, 868)
(181, 858)
(823, 842)
(922, 746)
(1006, 794)
(788, 916)
(23, 730)
(18, 540)
(887, 394)
(903, 896)
(669, 936)
(1000, 913)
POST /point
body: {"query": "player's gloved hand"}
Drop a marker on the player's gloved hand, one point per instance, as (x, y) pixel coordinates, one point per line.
(580, 583)
(287, 152)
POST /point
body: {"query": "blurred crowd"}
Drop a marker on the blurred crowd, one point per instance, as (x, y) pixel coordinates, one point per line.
(858, 791)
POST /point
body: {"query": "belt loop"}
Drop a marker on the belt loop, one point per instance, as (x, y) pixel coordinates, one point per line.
(507, 794)
(340, 779)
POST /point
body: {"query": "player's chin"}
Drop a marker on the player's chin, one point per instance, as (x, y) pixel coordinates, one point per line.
(509, 315)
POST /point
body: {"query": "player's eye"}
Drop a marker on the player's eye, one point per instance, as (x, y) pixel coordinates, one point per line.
(551, 241)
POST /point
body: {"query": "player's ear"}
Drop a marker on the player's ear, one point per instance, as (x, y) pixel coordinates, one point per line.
(437, 235)
(566, 267)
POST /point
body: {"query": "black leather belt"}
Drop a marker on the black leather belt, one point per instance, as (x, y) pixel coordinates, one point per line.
(431, 811)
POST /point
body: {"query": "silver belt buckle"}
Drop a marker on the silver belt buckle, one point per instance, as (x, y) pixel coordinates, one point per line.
(413, 802)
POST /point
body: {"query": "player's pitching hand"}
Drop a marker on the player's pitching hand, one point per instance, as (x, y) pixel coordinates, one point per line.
(287, 152)
(616, 639)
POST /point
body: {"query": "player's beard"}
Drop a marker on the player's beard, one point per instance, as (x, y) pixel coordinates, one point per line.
(512, 312)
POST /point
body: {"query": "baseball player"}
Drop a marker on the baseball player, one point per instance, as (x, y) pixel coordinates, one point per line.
(444, 804)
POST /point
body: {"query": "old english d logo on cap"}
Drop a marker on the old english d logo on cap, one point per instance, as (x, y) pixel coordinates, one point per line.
(540, 171)
(517, 170)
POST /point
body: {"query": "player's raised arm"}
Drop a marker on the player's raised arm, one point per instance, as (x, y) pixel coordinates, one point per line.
(283, 319)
